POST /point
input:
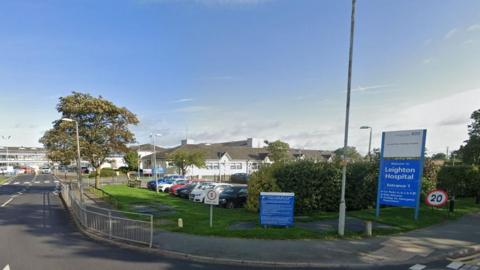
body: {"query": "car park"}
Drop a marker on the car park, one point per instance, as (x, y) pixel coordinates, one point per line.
(153, 183)
(45, 170)
(232, 197)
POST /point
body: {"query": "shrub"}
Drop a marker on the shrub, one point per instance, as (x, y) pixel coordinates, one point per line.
(316, 185)
(261, 180)
(361, 188)
(460, 180)
(105, 172)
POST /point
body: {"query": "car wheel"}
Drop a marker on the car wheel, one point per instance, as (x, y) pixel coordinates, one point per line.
(230, 205)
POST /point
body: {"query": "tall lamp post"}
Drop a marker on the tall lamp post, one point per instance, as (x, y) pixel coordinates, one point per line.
(369, 141)
(154, 163)
(79, 168)
(8, 137)
(343, 207)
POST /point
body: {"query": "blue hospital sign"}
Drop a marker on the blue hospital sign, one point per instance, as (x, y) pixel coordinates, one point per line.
(401, 169)
(276, 208)
(399, 182)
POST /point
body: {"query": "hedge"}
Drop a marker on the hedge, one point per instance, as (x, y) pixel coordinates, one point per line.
(105, 172)
(460, 180)
(317, 185)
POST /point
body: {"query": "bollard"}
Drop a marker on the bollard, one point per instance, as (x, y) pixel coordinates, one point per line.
(180, 223)
(368, 228)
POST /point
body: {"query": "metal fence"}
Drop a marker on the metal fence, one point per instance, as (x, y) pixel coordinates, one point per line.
(109, 223)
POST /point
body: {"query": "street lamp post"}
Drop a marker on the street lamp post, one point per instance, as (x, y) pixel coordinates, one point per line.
(154, 163)
(6, 148)
(343, 207)
(79, 168)
(369, 141)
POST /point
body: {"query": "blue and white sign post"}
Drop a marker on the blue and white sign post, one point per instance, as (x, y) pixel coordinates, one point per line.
(276, 208)
(401, 169)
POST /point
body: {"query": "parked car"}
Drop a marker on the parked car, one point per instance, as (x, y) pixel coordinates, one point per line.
(45, 170)
(198, 194)
(184, 192)
(153, 184)
(165, 187)
(232, 197)
(173, 189)
(239, 178)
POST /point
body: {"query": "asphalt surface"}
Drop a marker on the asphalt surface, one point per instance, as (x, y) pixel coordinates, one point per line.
(36, 232)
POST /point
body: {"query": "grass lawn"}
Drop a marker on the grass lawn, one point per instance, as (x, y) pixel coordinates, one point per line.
(196, 216)
(3, 179)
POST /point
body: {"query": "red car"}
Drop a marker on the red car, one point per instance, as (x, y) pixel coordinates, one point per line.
(173, 189)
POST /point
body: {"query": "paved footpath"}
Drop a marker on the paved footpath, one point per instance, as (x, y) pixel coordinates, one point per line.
(420, 246)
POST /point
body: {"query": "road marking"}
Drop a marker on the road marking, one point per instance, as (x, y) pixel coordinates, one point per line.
(455, 265)
(418, 267)
(46, 182)
(36, 182)
(26, 183)
(7, 267)
(6, 183)
(7, 202)
(56, 181)
(16, 183)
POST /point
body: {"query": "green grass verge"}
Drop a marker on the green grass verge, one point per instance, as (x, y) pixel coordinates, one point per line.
(3, 179)
(196, 216)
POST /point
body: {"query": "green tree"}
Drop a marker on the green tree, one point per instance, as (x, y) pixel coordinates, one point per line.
(103, 128)
(470, 152)
(278, 150)
(61, 146)
(132, 158)
(183, 159)
(351, 154)
(439, 156)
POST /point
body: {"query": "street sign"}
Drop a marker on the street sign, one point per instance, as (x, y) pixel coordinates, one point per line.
(211, 197)
(399, 182)
(277, 208)
(436, 198)
(401, 169)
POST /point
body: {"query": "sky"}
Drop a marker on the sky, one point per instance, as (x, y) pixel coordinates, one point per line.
(222, 70)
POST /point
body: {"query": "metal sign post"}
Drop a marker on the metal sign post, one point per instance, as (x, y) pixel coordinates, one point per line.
(211, 198)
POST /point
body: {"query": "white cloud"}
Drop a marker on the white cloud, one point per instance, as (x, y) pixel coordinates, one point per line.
(427, 61)
(371, 87)
(473, 27)
(182, 100)
(468, 42)
(450, 33)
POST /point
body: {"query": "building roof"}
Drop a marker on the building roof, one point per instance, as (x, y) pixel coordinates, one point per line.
(146, 147)
(238, 151)
(22, 149)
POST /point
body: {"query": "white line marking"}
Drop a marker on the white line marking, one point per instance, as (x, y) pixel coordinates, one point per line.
(26, 183)
(16, 183)
(7, 267)
(56, 181)
(7, 202)
(36, 182)
(418, 267)
(455, 265)
(6, 183)
(46, 182)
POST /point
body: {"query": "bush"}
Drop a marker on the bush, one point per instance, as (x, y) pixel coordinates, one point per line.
(261, 181)
(361, 189)
(460, 180)
(105, 172)
(123, 169)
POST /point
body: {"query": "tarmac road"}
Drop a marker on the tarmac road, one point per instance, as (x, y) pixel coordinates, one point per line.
(37, 233)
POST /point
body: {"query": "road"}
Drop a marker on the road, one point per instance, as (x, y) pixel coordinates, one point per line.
(36, 233)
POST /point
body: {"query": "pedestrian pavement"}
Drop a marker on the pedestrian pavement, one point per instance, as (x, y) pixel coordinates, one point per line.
(423, 245)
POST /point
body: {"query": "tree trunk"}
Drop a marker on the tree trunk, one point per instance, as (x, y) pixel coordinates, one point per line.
(97, 177)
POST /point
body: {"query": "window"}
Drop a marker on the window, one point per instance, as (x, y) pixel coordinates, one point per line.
(239, 166)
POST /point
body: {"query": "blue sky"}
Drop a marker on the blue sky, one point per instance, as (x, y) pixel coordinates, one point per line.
(231, 69)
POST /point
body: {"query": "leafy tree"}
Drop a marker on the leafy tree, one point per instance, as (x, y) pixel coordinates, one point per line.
(278, 150)
(61, 145)
(439, 156)
(132, 159)
(470, 152)
(183, 159)
(351, 154)
(103, 128)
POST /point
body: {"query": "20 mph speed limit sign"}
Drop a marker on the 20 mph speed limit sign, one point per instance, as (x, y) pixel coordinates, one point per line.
(436, 198)
(211, 197)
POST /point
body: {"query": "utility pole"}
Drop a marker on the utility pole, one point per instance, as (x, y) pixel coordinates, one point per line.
(343, 207)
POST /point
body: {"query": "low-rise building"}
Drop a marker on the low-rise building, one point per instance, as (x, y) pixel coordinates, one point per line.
(15, 156)
(225, 159)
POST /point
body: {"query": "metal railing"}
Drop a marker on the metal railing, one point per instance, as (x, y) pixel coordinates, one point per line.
(109, 223)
